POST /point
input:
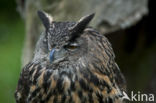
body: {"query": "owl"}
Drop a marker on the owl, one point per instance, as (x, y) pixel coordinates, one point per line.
(72, 63)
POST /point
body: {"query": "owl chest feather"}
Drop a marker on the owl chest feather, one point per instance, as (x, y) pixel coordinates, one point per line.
(72, 85)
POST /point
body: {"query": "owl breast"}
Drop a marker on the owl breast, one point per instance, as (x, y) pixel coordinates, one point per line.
(75, 84)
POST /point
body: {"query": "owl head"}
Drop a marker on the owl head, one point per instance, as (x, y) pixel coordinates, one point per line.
(62, 41)
(71, 58)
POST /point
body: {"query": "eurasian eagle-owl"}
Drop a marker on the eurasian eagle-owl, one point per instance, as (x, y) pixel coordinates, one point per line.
(72, 63)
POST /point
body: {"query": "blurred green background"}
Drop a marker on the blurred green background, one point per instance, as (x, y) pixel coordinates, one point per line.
(11, 42)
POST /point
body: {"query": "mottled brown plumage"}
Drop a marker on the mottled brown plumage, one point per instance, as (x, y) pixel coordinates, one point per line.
(72, 64)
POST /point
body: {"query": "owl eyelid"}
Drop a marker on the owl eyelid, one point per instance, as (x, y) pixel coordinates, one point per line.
(71, 46)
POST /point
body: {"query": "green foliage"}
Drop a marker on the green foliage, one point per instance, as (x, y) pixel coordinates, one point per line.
(11, 42)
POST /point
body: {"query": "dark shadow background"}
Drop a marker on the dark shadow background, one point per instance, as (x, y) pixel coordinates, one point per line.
(135, 50)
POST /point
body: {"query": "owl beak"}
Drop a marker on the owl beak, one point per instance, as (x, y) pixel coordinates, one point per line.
(51, 57)
(57, 55)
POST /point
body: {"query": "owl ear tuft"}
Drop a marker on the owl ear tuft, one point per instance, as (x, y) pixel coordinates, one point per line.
(45, 18)
(81, 24)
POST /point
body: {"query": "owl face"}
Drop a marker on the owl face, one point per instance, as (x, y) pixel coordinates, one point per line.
(62, 45)
(63, 41)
